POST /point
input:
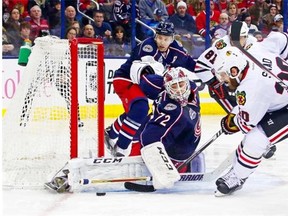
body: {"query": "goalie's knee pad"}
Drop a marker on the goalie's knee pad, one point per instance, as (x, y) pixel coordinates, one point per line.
(197, 165)
(160, 166)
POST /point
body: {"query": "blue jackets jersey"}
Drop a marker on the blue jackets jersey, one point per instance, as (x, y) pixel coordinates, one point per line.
(176, 56)
(178, 128)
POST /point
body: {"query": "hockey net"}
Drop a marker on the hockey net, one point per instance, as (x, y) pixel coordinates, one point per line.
(57, 112)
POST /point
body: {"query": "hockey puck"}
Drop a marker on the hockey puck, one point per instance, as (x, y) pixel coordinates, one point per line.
(100, 194)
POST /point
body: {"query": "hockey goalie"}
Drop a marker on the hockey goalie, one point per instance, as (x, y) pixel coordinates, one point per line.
(167, 139)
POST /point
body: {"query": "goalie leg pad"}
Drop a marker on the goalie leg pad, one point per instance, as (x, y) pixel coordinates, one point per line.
(159, 165)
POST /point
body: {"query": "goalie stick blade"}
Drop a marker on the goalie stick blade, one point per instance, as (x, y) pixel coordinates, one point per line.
(138, 187)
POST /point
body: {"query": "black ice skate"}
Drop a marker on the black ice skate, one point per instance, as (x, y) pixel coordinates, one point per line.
(228, 184)
(271, 149)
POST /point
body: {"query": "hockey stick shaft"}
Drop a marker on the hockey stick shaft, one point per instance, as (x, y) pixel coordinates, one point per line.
(202, 148)
(98, 181)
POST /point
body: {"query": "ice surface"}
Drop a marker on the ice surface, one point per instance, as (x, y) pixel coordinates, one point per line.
(264, 193)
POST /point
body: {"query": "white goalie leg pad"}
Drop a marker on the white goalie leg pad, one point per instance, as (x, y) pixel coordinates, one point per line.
(197, 165)
(103, 169)
(159, 165)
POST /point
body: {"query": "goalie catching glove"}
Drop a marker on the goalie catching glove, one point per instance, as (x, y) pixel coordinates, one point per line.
(147, 65)
(227, 124)
(159, 165)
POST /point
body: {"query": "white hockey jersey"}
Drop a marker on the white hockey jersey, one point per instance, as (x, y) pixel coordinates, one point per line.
(204, 68)
(259, 92)
(277, 42)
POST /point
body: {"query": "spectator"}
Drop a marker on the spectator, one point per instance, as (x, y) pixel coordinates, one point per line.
(7, 46)
(39, 26)
(102, 29)
(22, 6)
(198, 6)
(233, 12)
(201, 19)
(55, 18)
(151, 13)
(278, 23)
(122, 11)
(24, 36)
(13, 23)
(222, 6)
(70, 15)
(119, 45)
(71, 33)
(258, 35)
(185, 26)
(44, 6)
(76, 25)
(279, 5)
(243, 5)
(183, 22)
(259, 9)
(266, 22)
(88, 31)
(247, 19)
(171, 8)
(87, 7)
(222, 28)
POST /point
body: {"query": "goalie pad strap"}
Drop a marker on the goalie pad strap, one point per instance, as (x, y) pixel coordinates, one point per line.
(159, 165)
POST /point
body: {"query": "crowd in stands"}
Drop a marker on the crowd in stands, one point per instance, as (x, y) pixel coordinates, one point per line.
(110, 20)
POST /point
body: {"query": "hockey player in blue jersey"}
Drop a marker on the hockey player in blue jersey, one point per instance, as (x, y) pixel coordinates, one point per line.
(164, 50)
(173, 130)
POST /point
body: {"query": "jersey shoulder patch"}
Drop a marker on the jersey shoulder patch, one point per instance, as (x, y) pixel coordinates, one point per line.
(147, 48)
(241, 98)
(220, 44)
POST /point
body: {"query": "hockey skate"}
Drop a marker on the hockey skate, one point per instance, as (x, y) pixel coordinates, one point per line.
(59, 184)
(228, 184)
(271, 149)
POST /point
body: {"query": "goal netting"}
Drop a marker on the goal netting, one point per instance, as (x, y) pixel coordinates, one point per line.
(57, 112)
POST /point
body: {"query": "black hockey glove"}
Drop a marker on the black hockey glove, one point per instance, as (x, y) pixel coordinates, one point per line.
(227, 124)
(217, 89)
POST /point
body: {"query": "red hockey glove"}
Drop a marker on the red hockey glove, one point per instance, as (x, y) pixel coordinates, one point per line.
(227, 124)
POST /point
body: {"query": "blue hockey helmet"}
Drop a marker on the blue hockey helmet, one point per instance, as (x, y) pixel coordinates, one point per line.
(165, 28)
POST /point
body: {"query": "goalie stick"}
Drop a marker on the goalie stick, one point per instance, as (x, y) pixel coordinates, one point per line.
(235, 37)
(186, 177)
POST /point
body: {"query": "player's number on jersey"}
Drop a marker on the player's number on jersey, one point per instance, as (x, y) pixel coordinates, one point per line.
(162, 119)
(283, 75)
(211, 56)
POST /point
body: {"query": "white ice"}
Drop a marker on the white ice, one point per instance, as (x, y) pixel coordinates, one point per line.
(264, 193)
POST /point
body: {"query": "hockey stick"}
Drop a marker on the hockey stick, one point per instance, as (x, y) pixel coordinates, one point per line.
(235, 37)
(186, 177)
(203, 147)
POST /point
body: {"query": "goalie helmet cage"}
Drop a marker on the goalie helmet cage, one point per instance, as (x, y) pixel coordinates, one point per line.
(62, 86)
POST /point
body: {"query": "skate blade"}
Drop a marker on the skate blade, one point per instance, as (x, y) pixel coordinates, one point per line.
(219, 194)
(50, 187)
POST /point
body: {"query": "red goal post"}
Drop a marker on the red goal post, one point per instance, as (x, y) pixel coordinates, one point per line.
(100, 96)
(57, 112)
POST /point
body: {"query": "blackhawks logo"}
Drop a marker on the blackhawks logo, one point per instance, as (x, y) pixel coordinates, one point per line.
(241, 98)
(220, 44)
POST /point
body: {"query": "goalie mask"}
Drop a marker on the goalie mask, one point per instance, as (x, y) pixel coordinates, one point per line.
(232, 63)
(177, 85)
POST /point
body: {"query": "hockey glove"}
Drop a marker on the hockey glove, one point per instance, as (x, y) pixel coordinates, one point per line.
(227, 124)
(217, 89)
